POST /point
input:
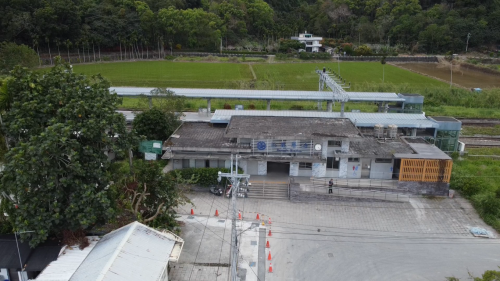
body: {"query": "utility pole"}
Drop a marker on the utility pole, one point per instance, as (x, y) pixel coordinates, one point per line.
(234, 177)
(467, 45)
(19, 253)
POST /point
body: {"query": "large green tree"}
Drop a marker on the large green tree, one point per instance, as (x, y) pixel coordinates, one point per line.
(60, 125)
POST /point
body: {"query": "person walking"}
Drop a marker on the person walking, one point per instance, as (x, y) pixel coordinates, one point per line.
(330, 186)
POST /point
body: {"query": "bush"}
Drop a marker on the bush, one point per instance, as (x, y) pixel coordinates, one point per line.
(12, 54)
(251, 106)
(169, 57)
(178, 46)
(211, 58)
(244, 53)
(297, 107)
(206, 176)
(487, 205)
(469, 186)
(289, 45)
(233, 59)
(106, 58)
(314, 56)
(280, 56)
(364, 51)
(227, 106)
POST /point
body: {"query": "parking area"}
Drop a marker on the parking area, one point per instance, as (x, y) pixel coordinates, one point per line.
(423, 239)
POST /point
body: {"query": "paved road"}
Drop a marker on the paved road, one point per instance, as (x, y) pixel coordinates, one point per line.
(424, 239)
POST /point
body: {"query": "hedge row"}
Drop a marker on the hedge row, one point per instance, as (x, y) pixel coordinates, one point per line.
(206, 176)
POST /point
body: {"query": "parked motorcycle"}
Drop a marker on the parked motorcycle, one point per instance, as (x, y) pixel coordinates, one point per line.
(216, 190)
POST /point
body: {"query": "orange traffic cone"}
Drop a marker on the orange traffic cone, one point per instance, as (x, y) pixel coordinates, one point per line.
(269, 234)
(269, 256)
(216, 212)
(267, 245)
(269, 220)
(192, 212)
(239, 215)
(258, 218)
(270, 267)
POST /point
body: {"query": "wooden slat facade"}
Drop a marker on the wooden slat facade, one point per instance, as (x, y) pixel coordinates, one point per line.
(425, 170)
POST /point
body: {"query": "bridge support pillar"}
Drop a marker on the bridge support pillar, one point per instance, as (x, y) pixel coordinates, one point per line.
(209, 105)
(414, 132)
(268, 104)
(329, 106)
(342, 109)
(319, 105)
(150, 102)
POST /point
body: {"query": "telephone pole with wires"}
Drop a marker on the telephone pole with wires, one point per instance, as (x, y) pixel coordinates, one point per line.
(234, 178)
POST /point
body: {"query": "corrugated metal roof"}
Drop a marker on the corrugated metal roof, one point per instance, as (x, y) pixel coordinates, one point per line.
(258, 94)
(133, 252)
(405, 120)
(68, 261)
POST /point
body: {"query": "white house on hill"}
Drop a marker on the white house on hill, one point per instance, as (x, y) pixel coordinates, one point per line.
(312, 42)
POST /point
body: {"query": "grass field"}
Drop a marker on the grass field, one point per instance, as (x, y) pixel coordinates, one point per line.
(169, 74)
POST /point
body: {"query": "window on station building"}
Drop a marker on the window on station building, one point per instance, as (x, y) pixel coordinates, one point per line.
(353, 159)
(305, 166)
(331, 163)
(383, 160)
(185, 163)
(334, 143)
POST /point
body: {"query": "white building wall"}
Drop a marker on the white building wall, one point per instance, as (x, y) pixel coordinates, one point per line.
(331, 173)
(243, 165)
(227, 164)
(177, 164)
(294, 169)
(262, 168)
(304, 173)
(318, 170)
(324, 150)
(343, 168)
(381, 170)
(354, 170)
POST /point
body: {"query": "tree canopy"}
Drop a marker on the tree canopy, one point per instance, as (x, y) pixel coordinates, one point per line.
(431, 25)
(60, 125)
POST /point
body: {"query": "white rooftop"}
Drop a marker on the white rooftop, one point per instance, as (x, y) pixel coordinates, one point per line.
(133, 252)
(404, 120)
(67, 262)
(259, 94)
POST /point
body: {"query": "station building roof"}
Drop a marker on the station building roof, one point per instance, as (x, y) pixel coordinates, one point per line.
(300, 128)
(196, 136)
(403, 120)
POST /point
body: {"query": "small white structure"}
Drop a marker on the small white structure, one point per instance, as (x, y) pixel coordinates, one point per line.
(133, 252)
(312, 42)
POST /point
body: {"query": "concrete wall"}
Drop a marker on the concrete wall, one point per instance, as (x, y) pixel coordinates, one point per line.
(262, 168)
(294, 169)
(252, 167)
(192, 163)
(332, 173)
(243, 165)
(214, 163)
(200, 163)
(425, 188)
(381, 170)
(177, 164)
(304, 173)
(343, 168)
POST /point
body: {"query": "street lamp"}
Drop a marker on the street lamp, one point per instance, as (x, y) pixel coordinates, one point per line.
(467, 45)
(19, 252)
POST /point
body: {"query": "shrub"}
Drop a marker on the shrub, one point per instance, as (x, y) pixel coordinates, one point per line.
(227, 106)
(106, 58)
(251, 106)
(12, 54)
(297, 107)
(469, 186)
(233, 59)
(487, 204)
(169, 57)
(206, 176)
(364, 50)
(314, 56)
(212, 58)
(178, 46)
(289, 45)
(280, 56)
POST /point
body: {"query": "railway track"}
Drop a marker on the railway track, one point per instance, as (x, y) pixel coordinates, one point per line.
(480, 141)
(479, 122)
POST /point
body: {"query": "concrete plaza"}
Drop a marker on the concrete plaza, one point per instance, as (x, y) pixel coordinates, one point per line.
(423, 239)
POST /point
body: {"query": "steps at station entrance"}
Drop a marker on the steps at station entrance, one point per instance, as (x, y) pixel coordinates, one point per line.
(268, 190)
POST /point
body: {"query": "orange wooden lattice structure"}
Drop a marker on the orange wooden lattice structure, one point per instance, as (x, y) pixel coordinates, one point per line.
(426, 170)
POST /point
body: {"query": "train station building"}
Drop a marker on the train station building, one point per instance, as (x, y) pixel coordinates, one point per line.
(319, 144)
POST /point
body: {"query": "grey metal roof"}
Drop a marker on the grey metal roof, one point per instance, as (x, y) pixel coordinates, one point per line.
(404, 120)
(133, 252)
(258, 94)
(423, 151)
(300, 128)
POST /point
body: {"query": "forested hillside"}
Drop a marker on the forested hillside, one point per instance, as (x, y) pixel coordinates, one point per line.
(430, 26)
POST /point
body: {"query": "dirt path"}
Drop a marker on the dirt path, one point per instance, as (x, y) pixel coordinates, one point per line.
(251, 70)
